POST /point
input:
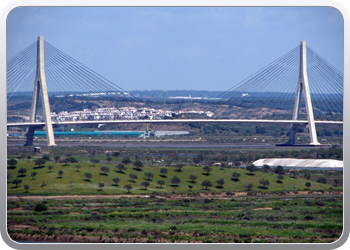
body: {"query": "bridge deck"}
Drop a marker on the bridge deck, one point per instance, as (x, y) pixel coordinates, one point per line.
(300, 122)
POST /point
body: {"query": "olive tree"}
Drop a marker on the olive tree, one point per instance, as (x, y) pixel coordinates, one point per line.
(145, 184)
(128, 187)
(207, 169)
(264, 182)
(206, 184)
(193, 178)
(164, 171)
(101, 185)
(161, 183)
(116, 180)
(175, 181)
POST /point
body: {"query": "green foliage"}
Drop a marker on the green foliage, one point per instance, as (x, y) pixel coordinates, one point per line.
(60, 173)
(220, 182)
(149, 176)
(179, 167)
(16, 182)
(279, 170)
(164, 171)
(161, 183)
(145, 184)
(82, 185)
(40, 207)
(264, 182)
(12, 162)
(251, 168)
(207, 169)
(104, 169)
(235, 176)
(280, 178)
(33, 174)
(121, 167)
(101, 185)
(22, 171)
(116, 154)
(138, 164)
(206, 184)
(133, 177)
(88, 176)
(126, 160)
(116, 180)
(322, 180)
(94, 161)
(40, 162)
(193, 178)
(175, 181)
(248, 186)
(298, 220)
(128, 187)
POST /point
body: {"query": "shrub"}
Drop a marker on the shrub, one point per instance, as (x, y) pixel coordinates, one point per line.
(309, 217)
(279, 170)
(40, 207)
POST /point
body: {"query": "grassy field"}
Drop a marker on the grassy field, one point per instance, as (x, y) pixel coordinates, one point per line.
(73, 180)
(317, 219)
(284, 211)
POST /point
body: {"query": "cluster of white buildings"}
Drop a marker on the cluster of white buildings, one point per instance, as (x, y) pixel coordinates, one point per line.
(192, 98)
(124, 113)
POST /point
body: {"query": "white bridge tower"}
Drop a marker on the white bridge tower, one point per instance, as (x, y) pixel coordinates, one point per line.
(40, 87)
(303, 86)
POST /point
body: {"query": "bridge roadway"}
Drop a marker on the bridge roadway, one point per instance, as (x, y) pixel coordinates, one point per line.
(300, 122)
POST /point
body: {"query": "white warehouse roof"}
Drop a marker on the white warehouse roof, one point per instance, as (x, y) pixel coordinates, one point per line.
(290, 162)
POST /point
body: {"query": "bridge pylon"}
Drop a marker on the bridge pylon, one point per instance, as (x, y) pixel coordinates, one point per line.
(303, 86)
(40, 87)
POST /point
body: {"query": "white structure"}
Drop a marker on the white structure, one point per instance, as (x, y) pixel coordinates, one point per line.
(291, 162)
(303, 86)
(40, 87)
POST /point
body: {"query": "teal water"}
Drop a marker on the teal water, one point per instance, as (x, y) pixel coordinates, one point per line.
(92, 133)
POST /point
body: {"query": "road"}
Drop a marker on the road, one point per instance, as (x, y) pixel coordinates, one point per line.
(157, 144)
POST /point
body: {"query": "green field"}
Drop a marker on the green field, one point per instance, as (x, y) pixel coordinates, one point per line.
(283, 211)
(73, 180)
(317, 219)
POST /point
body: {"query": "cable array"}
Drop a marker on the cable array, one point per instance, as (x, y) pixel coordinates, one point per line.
(326, 87)
(65, 77)
(270, 92)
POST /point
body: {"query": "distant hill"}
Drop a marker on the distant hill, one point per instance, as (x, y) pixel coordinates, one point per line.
(175, 93)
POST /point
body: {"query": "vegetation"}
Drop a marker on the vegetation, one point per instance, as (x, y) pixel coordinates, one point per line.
(155, 219)
(226, 204)
(235, 179)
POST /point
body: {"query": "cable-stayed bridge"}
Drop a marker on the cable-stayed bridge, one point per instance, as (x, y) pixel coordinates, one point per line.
(300, 88)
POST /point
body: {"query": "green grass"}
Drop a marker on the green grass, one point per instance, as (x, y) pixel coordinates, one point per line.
(192, 220)
(74, 182)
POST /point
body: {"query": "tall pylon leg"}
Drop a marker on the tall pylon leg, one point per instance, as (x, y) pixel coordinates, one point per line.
(303, 86)
(40, 87)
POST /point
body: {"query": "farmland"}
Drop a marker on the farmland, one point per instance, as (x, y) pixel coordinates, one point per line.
(188, 219)
(236, 207)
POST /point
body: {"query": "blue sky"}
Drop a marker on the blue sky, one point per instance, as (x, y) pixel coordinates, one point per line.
(198, 48)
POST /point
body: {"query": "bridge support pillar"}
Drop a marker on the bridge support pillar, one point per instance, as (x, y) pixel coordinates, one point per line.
(303, 86)
(40, 87)
(30, 135)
